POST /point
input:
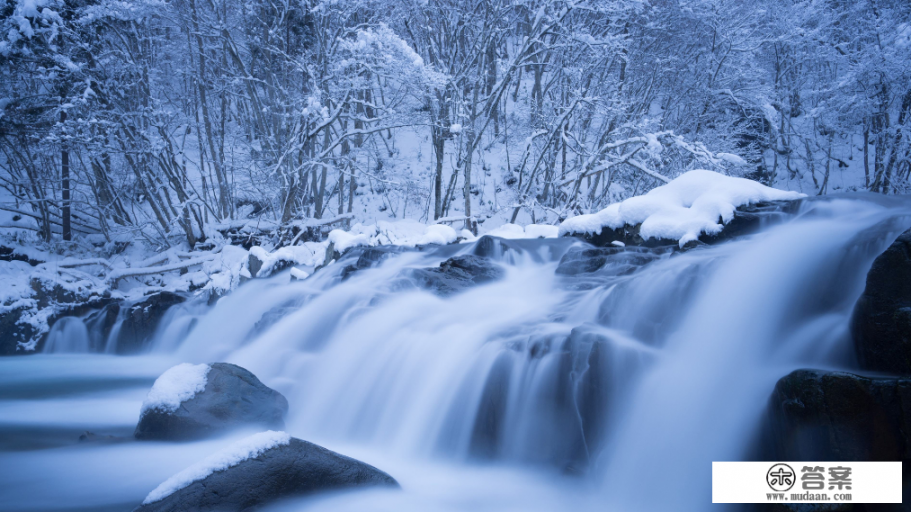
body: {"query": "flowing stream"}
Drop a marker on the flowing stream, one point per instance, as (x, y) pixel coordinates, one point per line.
(609, 390)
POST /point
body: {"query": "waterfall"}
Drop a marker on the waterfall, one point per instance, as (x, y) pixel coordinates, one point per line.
(68, 335)
(630, 380)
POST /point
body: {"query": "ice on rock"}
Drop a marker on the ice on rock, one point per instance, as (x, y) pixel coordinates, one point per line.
(681, 210)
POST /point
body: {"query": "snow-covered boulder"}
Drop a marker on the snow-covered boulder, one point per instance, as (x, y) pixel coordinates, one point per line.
(697, 205)
(258, 470)
(194, 401)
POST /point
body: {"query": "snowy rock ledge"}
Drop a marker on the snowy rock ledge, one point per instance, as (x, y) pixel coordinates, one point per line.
(688, 207)
(259, 470)
(196, 401)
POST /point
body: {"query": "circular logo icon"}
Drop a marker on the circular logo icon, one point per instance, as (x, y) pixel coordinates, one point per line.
(780, 477)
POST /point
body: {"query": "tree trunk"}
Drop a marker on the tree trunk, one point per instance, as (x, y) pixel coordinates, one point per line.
(65, 185)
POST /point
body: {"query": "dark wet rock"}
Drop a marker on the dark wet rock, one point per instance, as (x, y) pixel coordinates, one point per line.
(12, 254)
(274, 315)
(92, 437)
(295, 469)
(627, 235)
(141, 319)
(881, 323)
(369, 257)
(254, 264)
(13, 332)
(457, 274)
(836, 416)
(748, 219)
(576, 377)
(623, 260)
(493, 247)
(233, 398)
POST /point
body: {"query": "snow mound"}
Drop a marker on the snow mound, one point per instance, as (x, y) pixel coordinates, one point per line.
(309, 254)
(176, 386)
(681, 210)
(407, 233)
(247, 448)
(514, 231)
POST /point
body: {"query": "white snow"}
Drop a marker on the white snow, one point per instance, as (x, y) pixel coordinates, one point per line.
(455, 128)
(408, 233)
(344, 240)
(530, 231)
(308, 254)
(226, 269)
(732, 159)
(541, 231)
(247, 448)
(681, 210)
(176, 386)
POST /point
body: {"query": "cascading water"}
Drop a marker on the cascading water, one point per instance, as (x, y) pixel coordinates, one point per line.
(544, 390)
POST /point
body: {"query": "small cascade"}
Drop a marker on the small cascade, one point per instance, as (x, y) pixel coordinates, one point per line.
(68, 335)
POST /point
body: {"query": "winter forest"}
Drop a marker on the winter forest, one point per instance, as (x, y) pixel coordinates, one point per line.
(455, 255)
(166, 121)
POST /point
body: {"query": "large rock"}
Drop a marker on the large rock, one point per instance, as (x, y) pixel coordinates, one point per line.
(232, 398)
(141, 319)
(287, 470)
(836, 416)
(881, 324)
(457, 274)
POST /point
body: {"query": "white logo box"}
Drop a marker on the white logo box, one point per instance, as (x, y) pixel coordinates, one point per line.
(746, 482)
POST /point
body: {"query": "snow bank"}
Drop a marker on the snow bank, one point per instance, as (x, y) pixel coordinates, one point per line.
(246, 448)
(515, 231)
(681, 210)
(15, 291)
(176, 386)
(308, 254)
(226, 269)
(408, 233)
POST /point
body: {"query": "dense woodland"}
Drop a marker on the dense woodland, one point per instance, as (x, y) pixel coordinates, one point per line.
(167, 119)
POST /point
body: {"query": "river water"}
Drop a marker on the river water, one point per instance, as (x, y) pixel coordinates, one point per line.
(611, 390)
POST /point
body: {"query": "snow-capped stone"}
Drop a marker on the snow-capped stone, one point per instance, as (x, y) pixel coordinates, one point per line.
(514, 231)
(233, 455)
(176, 386)
(197, 401)
(260, 470)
